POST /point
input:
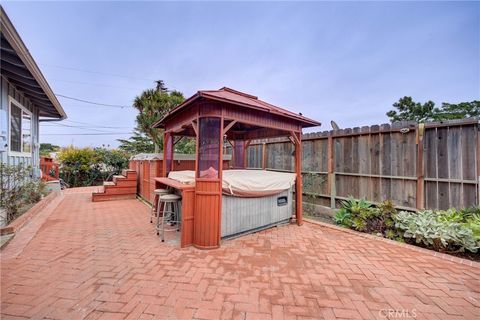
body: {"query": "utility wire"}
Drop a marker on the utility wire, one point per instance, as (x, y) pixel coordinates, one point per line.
(87, 123)
(82, 126)
(98, 72)
(93, 84)
(91, 102)
(84, 134)
(102, 73)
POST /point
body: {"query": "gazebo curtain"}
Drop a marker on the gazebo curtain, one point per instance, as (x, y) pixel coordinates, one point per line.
(209, 147)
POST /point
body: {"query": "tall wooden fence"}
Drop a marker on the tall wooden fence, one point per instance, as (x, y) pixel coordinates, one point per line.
(433, 166)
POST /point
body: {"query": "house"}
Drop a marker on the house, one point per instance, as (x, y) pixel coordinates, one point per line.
(26, 99)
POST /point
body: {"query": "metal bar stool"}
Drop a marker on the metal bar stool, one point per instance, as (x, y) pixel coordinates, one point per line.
(170, 213)
(156, 199)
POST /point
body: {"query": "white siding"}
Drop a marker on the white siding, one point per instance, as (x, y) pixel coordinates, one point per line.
(6, 90)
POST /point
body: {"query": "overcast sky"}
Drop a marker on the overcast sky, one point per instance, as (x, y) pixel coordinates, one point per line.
(345, 61)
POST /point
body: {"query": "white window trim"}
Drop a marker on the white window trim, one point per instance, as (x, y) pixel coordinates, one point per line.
(24, 109)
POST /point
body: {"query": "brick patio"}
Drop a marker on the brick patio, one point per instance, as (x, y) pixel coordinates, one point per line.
(84, 260)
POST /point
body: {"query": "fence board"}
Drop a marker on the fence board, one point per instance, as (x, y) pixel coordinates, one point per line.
(380, 162)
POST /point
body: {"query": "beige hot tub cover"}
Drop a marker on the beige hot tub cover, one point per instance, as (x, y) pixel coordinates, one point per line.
(245, 183)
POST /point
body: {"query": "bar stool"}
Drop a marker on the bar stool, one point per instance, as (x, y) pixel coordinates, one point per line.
(170, 212)
(156, 199)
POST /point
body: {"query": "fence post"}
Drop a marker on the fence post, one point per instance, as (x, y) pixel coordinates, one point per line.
(331, 174)
(478, 163)
(264, 155)
(420, 203)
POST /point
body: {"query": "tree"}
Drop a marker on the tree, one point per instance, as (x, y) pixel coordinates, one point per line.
(407, 109)
(47, 148)
(186, 145)
(137, 143)
(461, 110)
(153, 104)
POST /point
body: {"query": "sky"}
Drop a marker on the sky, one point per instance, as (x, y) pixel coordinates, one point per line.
(342, 61)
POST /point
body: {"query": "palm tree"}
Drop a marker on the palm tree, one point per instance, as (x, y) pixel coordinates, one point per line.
(152, 105)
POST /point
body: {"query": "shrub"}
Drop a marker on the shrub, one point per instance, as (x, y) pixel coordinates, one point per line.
(34, 191)
(343, 217)
(113, 161)
(18, 190)
(86, 166)
(78, 166)
(361, 215)
(446, 230)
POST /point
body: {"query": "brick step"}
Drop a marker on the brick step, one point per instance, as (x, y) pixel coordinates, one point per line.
(97, 197)
(118, 177)
(119, 190)
(129, 177)
(126, 183)
(121, 183)
(129, 174)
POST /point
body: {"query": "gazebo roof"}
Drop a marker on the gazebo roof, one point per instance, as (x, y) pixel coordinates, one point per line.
(241, 99)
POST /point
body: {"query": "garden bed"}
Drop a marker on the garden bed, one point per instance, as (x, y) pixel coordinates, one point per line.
(454, 232)
(27, 214)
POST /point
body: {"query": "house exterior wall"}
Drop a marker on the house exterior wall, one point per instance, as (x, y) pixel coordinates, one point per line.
(8, 90)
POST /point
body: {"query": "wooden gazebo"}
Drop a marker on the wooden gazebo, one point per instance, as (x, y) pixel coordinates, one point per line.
(213, 117)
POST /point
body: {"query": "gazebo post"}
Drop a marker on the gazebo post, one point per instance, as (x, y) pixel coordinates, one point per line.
(298, 181)
(208, 183)
(165, 153)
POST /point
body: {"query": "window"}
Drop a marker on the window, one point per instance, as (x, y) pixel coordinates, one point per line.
(20, 128)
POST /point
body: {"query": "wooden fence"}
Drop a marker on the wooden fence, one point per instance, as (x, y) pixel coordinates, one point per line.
(433, 166)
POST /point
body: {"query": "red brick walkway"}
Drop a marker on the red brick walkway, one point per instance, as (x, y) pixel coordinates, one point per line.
(103, 261)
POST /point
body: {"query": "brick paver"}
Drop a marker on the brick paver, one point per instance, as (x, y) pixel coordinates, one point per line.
(103, 261)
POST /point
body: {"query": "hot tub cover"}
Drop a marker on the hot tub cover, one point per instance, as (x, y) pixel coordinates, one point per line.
(245, 183)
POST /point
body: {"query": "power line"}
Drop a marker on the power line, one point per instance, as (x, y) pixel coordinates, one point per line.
(98, 72)
(91, 102)
(84, 134)
(90, 106)
(83, 126)
(80, 122)
(93, 84)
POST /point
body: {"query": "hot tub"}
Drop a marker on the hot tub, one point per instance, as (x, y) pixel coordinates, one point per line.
(252, 199)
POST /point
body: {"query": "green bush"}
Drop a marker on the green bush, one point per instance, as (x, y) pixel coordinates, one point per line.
(442, 230)
(18, 190)
(449, 230)
(361, 215)
(343, 217)
(78, 166)
(81, 167)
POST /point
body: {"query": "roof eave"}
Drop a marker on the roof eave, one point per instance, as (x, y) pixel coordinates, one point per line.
(306, 122)
(13, 38)
(302, 119)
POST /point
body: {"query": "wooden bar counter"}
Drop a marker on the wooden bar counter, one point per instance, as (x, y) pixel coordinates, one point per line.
(187, 191)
